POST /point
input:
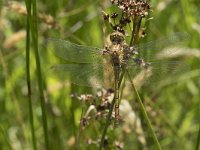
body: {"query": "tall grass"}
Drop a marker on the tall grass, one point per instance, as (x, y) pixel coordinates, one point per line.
(32, 24)
(30, 105)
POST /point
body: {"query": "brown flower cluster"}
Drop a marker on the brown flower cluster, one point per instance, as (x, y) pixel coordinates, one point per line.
(133, 7)
(131, 10)
(98, 105)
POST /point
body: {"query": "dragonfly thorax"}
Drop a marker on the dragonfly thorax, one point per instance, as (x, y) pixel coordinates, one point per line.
(114, 47)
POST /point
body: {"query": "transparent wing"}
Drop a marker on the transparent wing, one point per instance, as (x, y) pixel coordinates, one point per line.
(156, 71)
(91, 75)
(148, 50)
(73, 52)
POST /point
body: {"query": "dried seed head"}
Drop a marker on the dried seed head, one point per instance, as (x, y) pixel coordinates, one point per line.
(14, 39)
(17, 7)
(119, 145)
(98, 107)
(132, 8)
(106, 17)
(114, 1)
(84, 121)
(21, 9)
(114, 15)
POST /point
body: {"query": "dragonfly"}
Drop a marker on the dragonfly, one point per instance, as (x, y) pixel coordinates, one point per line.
(92, 66)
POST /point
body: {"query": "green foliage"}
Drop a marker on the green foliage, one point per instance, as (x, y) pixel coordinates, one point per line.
(172, 104)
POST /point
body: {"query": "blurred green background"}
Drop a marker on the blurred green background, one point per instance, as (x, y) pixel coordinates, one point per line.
(174, 109)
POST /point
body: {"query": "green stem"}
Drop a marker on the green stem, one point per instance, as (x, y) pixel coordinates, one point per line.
(136, 38)
(28, 7)
(6, 137)
(133, 30)
(78, 139)
(144, 114)
(34, 33)
(198, 140)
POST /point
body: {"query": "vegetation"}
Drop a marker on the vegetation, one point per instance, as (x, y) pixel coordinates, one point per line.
(41, 109)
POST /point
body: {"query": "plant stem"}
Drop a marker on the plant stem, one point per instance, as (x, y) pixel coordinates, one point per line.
(34, 33)
(133, 30)
(28, 7)
(5, 137)
(144, 114)
(198, 140)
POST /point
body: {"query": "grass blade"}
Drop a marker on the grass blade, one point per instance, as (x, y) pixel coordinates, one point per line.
(141, 106)
(34, 33)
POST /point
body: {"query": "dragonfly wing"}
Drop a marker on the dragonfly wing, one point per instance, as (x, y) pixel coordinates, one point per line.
(91, 75)
(148, 50)
(73, 52)
(156, 72)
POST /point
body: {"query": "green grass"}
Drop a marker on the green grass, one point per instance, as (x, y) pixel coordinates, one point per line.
(28, 46)
(31, 96)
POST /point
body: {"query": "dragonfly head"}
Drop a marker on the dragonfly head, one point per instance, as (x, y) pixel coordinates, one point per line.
(117, 38)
